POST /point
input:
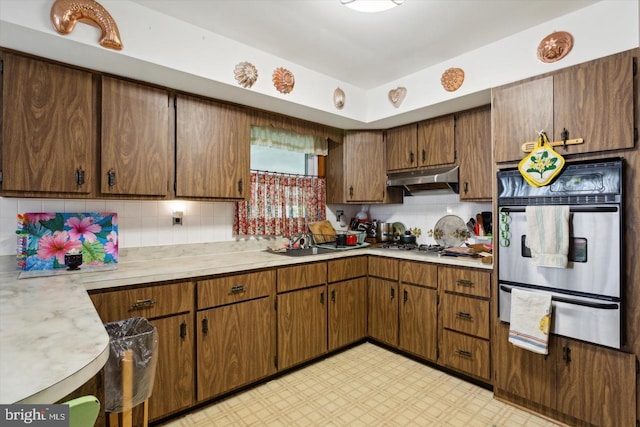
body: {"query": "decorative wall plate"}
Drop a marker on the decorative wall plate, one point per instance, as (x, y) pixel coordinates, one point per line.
(283, 80)
(452, 79)
(246, 74)
(65, 14)
(338, 98)
(396, 96)
(555, 46)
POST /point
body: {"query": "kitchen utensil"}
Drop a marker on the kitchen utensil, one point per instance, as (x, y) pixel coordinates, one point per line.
(399, 229)
(479, 230)
(487, 222)
(384, 232)
(341, 240)
(322, 231)
(351, 239)
(408, 238)
(450, 230)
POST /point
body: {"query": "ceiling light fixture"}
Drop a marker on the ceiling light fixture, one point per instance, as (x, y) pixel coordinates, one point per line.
(371, 5)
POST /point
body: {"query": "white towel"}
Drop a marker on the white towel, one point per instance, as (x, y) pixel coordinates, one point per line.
(530, 320)
(548, 235)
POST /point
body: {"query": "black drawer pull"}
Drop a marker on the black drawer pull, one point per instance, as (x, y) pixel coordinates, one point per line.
(333, 295)
(465, 282)
(143, 303)
(205, 325)
(238, 288)
(183, 330)
(464, 353)
(463, 315)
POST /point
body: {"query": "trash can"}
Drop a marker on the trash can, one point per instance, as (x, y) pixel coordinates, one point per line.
(131, 368)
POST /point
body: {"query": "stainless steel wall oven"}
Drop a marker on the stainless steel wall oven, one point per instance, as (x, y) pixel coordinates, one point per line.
(587, 297)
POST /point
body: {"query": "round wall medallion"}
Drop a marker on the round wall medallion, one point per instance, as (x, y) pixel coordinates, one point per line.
(452, 79)
(555, 46)
(246, 74)
(283, 80)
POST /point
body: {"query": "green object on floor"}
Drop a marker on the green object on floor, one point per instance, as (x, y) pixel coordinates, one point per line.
(83, 411)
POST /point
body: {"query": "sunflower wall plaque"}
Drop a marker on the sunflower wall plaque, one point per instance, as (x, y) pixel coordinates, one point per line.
(452, 79)
(555, 46)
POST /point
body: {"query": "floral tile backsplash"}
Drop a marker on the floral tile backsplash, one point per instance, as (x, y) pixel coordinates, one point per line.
(44, 238)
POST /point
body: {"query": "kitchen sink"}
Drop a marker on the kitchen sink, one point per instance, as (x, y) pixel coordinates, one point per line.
(305, 251)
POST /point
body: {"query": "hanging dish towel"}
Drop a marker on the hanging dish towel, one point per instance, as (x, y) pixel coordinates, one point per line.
(548, 235)
(530, 320)
(542, 164)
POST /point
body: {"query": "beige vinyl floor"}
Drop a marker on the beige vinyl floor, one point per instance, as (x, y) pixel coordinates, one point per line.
(364, 386)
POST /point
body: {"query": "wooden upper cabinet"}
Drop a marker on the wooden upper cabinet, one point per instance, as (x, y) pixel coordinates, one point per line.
(364, 170)
(473, 139)
(212, 149)
(593, 101)
(49, 137)
(436, 142)
(136, 143)
(401, 144)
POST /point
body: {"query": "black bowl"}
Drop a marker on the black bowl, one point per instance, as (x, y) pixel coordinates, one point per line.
(73, 261)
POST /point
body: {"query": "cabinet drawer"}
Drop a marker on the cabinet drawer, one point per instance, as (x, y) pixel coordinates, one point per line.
(465, 353)
(463, 314)
(383, 267)
(345, 269)
(301, 276)
(149, 302)
(230, 289)
(419, 273)
(464, 281)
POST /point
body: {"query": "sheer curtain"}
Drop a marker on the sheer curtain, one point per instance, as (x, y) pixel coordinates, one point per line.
(280, 204)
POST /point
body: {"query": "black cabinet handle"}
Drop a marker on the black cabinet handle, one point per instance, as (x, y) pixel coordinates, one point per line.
(237, 289)
(406, 296)
(143, 303)
(411, 157)
(566, 354)
(240, 186)
(205, 325)
(351, 191)
(393, 293)
(465, 282)
(464, 353)
(333, 295)
(80, 176)
(322, 298)
(466, 187)
(424, 156)
(111, 177)
(183, 330)
(464, 316)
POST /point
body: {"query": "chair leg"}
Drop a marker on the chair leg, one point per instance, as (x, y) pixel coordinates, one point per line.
(145, 417)
(127, 387)
(113, 419)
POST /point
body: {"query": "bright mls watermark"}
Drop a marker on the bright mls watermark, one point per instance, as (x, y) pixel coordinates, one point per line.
(34, 415)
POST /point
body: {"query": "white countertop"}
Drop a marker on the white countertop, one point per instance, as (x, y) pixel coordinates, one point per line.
(52, 340)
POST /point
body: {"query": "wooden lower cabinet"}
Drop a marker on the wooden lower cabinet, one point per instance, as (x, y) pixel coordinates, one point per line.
(419, 321)
(347, 312)
(580, 383)
(174, 381)
(465, 353)
(236, 346)
(302, 326)
(383, 310)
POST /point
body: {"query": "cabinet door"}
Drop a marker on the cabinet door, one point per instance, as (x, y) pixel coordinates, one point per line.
(383, 310)
(212, 150)
(402, 148)
(347, 312)
(302, 326)
(136, 149)
(236, 346)
(49, 138)
(365, 177)
(473, 139)
(436, 143)
(595, 384)
(594, 101)
(523, 373)
(519, 112)
(174, 386)
(419, 321)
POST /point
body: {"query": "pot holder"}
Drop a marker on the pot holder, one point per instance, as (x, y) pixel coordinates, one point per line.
(542, 164)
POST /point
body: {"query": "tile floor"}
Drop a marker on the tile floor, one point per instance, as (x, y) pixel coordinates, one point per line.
(363, 386)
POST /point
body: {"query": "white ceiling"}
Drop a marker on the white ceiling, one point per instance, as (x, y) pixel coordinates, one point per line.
(366, 50)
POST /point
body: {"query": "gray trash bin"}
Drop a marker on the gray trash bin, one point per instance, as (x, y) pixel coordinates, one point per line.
(141, 337)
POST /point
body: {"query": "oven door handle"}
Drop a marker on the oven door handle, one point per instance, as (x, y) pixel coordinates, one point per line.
(602, 306)
(572, 209)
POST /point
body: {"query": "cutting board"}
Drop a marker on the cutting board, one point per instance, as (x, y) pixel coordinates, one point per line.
(322, 231)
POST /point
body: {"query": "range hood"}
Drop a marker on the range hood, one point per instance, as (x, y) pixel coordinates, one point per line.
(422, 181)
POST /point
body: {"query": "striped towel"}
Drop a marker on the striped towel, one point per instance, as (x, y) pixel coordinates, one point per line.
(548, 235)
(530, 320)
